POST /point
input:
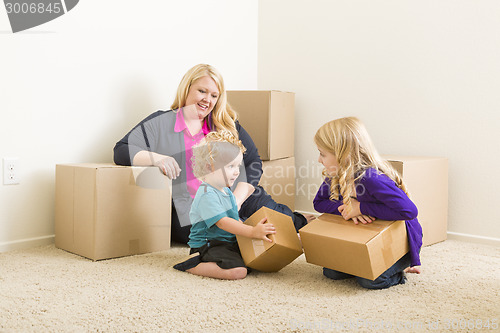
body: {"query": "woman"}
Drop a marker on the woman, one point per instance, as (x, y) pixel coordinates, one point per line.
(165, 139)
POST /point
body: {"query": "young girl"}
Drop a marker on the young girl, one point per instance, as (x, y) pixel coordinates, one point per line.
(214, 212)
(361, 186)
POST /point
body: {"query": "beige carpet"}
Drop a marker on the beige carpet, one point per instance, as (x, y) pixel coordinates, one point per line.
(49, 290)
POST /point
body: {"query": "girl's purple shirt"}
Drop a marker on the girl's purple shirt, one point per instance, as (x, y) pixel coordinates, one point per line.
(379, 197)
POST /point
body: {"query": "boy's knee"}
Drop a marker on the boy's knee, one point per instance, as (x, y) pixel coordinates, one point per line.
(237, 273)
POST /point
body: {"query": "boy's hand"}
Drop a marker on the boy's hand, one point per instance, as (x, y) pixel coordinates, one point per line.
(262, 229)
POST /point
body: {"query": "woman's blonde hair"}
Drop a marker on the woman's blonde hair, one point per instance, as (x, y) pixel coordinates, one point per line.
(214, 152)
(222, 117)
(348, 139)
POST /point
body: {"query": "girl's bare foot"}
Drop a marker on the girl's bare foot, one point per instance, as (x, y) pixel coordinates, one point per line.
(414, 269)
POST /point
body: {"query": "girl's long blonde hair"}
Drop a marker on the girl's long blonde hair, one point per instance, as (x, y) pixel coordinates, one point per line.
(348, 140)
(222, 117)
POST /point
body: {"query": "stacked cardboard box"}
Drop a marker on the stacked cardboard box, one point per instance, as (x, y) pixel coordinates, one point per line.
(107, 211)
(427, 182)
(269, 117)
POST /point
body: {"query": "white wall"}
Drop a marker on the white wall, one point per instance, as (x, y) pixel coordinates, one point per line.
(424, 76)
(71, 88)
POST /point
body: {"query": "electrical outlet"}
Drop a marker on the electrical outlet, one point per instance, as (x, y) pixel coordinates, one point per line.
(10, 170)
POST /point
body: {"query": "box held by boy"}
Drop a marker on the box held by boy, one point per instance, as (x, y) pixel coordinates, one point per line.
(364, 250)
(269, 117)
(265, 256)
(106, 211)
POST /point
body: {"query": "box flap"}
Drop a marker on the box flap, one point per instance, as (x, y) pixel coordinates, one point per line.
(93, 165)
(144, 176)
(287, 235)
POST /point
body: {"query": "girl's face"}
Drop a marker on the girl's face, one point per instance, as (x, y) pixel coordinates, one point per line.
(202, 97)
(329, 161)
(225, 176)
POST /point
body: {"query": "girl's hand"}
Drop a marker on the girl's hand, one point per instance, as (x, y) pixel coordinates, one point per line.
(363, 219)
(355, 213)
(355, 210)
(261, 230)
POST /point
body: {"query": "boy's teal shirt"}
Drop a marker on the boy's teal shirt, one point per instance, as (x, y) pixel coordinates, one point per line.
(209, 206)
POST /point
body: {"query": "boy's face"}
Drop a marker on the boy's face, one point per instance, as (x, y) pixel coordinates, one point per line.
(226, 175)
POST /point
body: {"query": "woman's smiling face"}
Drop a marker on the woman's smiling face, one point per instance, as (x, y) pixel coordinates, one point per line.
(203, 95)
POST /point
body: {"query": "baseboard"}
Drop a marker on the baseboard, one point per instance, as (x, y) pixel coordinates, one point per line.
(303, 212)
(474, 238)
(26, 243)
(453, 235)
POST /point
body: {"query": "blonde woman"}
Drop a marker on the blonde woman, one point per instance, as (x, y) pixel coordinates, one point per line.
(361, 186)
(166, 138)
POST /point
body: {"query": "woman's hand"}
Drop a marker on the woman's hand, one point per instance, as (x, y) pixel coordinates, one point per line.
(355, 213)
(168, 165)
(242, 192)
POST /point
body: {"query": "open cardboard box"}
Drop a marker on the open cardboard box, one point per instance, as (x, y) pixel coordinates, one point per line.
(107, 211)
(364, 250)
(265, 256)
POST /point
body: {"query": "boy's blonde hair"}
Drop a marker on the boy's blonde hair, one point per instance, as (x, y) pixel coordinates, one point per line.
(222, 117)
(348, 139)
(214, 152)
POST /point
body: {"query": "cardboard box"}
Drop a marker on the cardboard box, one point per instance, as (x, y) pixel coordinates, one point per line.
(364, 250)
(427, 181)
(107, 211)
(278, 179)
(271, 257)
(269, 117)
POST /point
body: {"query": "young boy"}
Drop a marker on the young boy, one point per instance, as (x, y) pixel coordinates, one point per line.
(214, 212)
